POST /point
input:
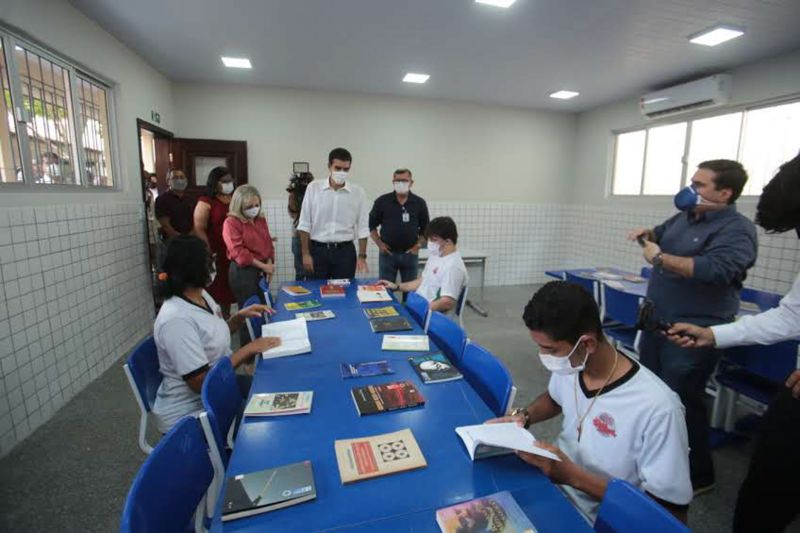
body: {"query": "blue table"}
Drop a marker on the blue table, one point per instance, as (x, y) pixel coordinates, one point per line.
(400, 502)
(631, 287)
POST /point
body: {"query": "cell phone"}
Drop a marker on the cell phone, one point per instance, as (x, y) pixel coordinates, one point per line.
(640, 240)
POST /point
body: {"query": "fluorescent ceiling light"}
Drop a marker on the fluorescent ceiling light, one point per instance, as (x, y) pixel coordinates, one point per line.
(496, 3)
(236, 62)
(416, 78)
(716, 35)
(564, 94)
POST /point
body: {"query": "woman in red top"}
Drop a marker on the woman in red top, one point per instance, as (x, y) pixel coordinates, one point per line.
(249, 244)
(209, 216)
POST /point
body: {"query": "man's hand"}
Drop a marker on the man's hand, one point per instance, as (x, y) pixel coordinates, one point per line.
(252, 311)
(518, 419)
(794, 383)
(388, 284)
(308, 263)
(650, 250)
(561, 472)
(384, 248)
(638, 232)
(691, 336)
(361, 265)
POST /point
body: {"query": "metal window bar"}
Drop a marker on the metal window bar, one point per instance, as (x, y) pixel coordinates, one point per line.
(16, 159)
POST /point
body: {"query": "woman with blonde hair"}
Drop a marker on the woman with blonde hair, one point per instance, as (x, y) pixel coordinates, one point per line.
(248, 243)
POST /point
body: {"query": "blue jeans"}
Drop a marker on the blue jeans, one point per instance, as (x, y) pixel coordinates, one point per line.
(390, 264)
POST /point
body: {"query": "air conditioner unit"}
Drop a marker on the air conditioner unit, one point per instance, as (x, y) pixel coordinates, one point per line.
(698, 94)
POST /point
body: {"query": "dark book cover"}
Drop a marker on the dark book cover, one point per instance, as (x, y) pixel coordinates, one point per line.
(435, 368)
(374, 399)
(372, 368)
(389, 323)
(268, 490)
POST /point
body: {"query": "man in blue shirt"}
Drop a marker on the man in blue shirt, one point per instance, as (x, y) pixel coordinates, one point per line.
(700, 258)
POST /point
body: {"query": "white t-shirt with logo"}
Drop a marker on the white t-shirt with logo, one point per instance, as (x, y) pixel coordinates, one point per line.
(188, 338)
(635, 431)
(443, 276)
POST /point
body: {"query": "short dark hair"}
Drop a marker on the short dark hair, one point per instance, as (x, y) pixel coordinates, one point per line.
(403, 171)
(727, 175)
(779, 206)
(563, 311)
(216, 174)
(342, 154)
(442, 227)
(186, 264)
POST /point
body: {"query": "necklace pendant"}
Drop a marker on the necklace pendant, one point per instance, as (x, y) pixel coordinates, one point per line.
(579, 432)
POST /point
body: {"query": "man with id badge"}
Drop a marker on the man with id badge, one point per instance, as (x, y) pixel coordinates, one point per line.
(402, 217)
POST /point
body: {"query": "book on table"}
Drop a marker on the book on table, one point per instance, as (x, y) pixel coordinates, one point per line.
(378, 455)
(268, 490)
(296, 290)
(293, 335)
(300, 306)
(366, 297)
(370, 368)
(374, 399)
(434, 368)
(344, 282)
(486, 440)
(374, 287)
(331, 291)
(498, 513)
(311, 316)
(405, 343)
(279, 403)
(381, 312)
(389, 323)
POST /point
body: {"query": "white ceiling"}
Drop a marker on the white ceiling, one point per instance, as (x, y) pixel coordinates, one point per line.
(606, 49)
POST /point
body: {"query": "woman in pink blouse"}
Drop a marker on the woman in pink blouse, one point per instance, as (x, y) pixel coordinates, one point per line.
(248, 243)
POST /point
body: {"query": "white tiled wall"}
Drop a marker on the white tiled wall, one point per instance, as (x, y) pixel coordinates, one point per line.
(74, 296)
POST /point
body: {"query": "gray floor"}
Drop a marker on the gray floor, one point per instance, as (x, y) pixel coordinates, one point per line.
(73, 473)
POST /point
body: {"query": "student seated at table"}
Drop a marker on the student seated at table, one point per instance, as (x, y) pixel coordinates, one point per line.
(190, 333)
(620, 420)
(445, 274)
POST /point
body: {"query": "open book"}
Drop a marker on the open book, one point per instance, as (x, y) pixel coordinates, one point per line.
(293, 334)
(483, 440)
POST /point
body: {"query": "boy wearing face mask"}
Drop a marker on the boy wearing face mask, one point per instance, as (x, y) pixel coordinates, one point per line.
(620, 420)
(402, 217)
(174, 210)
(700, 258)
(445, 273)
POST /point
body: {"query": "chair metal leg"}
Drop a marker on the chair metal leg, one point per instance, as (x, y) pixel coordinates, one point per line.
(730, 411)
(717, 417)
(146, 448)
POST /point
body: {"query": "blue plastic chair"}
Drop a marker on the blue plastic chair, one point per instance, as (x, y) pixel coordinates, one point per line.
(171, 484)
(764, 300)
(646, 271)
(419, 309)
(627, 509)
(448, 336)
(254, 324)
(460, 304)
(488, 376)
(222, 401)
(589, 284)
(144, 377)
(623, 308)
(263, 286)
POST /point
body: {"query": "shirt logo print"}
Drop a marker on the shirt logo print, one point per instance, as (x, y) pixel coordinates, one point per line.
(604, 423)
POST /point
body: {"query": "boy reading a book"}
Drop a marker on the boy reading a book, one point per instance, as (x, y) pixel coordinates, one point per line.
(620, 420)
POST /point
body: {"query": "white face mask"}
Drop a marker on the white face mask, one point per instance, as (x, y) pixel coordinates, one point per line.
(226, 187)
(434, 248)
(562, 365)
(402, 187)
(339, 176)
(252, 212)
(178, 184)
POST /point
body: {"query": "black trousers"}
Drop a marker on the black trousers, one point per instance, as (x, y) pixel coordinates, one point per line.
(244, 284)
(333, 263)
(769, 498)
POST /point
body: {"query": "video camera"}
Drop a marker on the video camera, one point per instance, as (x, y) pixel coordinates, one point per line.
(299, 179)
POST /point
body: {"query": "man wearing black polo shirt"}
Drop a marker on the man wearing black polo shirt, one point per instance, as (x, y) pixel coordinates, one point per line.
(402, 217)
(174, 211)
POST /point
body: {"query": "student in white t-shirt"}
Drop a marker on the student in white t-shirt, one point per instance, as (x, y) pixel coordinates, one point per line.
(445, 274)
(620, 420)
(190, 333)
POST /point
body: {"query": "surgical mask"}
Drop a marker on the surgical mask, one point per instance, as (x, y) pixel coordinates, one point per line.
(179, 184)
(434, 248)
(226, 187)
(339, 177)
(402, 187)
(252, 212)
(562, 365)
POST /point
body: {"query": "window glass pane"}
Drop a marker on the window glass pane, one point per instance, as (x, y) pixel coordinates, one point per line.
(94, 131)
(771, 137)
(628, 160)
(10, 161)
(46, 98)
(713, 138)
(664, 162)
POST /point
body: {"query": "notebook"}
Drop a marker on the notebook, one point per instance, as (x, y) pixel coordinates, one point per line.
(294, 338)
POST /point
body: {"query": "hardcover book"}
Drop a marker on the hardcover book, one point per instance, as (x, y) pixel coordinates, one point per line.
(331, 291)
(279, 403)
(389, 323)
(435, 368)
(372, 368)
(268, 490)
(374, 399)
(378, 455)
(296, 290)
(380, 312)
(498, 513)
(299, 306)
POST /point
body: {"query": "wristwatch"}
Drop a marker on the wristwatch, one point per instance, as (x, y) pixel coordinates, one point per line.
(524, 412)
(362, 256)
(658, 259)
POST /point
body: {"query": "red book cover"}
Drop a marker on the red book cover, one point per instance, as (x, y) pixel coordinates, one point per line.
(331, 291)
(374, 399)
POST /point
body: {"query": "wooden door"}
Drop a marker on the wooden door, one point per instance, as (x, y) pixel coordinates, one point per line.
(196, 157)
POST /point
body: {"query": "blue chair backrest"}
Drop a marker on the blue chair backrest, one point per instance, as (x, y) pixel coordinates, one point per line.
(488, 376)
(587, 283)
(257, 321)
(773, 363)
(221, 400)
(143, 364)
(263, 286)
(171, 483)
(620, 306)
(448, 336)
(418, 307)
(646, 271)
(764, 300)
(627, 509)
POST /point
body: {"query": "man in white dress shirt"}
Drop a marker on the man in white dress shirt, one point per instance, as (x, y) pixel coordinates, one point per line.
(333, 215)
